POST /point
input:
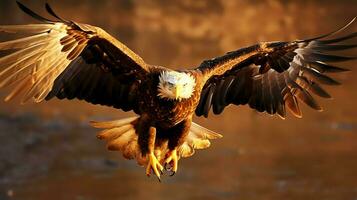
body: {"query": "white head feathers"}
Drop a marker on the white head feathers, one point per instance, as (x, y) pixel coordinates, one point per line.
(176, 85)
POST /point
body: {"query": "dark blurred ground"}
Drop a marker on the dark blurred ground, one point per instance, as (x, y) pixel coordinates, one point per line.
(48, 151)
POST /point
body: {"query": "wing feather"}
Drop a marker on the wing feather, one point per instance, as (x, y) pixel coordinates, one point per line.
(65, 59)
(208, 103)
(28, 28)
(273, 76)
(24, 42)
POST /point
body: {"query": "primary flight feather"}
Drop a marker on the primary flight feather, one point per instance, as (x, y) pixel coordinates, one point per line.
(67, 60)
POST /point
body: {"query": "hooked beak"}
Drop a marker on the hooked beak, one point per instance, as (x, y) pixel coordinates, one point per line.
(178, 90)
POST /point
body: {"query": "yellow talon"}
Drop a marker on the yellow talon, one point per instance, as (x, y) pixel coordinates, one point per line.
(172, 159)
(153, 164)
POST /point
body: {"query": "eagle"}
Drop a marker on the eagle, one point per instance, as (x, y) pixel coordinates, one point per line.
(64, 59)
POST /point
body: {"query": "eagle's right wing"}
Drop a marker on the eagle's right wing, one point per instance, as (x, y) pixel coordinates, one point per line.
(65, 59)
(273, 76)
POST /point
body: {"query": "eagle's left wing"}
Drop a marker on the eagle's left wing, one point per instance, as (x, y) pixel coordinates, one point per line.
(272, 76)
(68, 60)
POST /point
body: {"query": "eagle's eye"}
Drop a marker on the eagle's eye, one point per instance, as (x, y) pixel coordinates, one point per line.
(170, 84)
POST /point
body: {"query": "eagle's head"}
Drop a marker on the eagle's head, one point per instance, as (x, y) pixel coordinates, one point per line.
(175, 85)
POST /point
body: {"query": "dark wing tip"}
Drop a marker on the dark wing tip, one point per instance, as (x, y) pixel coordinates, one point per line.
(51, 12)
(33, 14)
(331, 33)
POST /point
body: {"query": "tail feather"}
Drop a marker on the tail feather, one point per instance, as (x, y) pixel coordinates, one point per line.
(120, 135)
(113, 124)
(113, 133)
(120, 143)
(198, 138)
(204, 132)
(186, 150)
(132, 151)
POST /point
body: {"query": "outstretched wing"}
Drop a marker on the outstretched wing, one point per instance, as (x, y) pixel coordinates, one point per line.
(272, 76)
(65, 59)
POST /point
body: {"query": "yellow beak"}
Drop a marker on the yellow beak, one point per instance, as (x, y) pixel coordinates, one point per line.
(178, 90)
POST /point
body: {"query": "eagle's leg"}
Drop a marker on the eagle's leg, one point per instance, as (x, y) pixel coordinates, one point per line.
(178, 134)
(146, 140)
(153, 162)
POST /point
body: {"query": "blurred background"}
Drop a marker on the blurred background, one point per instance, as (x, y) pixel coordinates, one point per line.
(48, 150)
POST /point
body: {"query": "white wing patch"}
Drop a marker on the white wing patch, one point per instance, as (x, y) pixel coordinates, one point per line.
(38, 59)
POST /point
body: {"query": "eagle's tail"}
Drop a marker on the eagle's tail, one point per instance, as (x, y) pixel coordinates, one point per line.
(197, 138)
(121, 136)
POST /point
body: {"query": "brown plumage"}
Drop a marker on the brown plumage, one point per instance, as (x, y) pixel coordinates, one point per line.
(69, 60)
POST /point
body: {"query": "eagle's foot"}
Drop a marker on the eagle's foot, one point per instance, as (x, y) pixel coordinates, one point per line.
(155, 165)
(172, 160)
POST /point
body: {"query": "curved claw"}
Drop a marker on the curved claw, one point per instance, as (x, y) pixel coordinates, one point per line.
(173, 173)
(153, 165)
(168, 169)
(172, 160)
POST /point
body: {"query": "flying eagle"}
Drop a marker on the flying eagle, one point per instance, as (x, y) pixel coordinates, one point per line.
(68, 60)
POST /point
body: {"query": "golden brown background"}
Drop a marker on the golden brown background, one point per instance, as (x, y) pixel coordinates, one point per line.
(48, 151)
